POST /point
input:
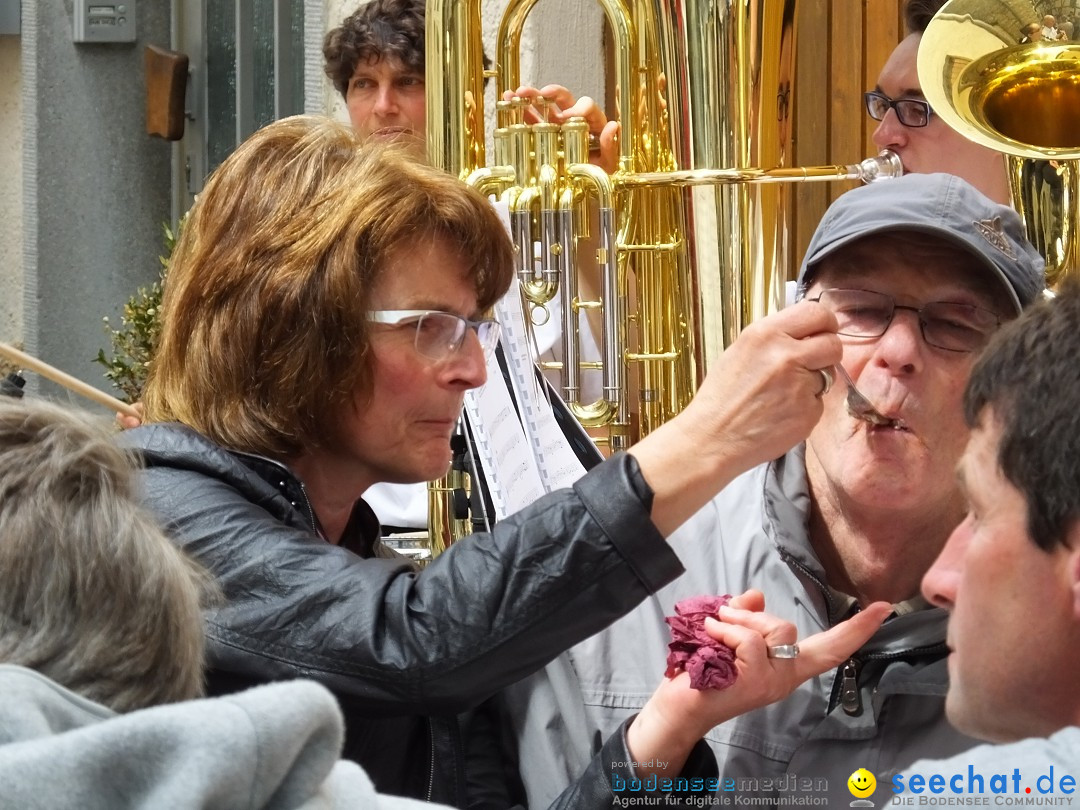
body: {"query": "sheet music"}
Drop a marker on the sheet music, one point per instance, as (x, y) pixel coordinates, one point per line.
(509, 465)
(558, 464)
(510, 469)
(523, 451)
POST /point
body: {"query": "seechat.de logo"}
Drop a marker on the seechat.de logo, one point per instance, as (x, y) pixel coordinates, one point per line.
(861, 785)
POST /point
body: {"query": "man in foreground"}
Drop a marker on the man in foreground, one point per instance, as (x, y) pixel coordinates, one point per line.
(1009, 575)
(919, 272)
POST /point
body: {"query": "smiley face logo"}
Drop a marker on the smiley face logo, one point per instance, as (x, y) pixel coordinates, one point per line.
(861, 783)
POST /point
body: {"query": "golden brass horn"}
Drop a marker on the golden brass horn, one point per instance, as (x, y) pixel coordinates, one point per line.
(693, 238)
(1006, 74)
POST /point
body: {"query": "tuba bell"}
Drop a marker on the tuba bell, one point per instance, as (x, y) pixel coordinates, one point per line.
(1006, 74)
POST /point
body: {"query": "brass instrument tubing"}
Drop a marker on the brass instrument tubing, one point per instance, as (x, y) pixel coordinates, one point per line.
(614, 319)
(668, 356)
(571, 338)
(547, 158)
(712, 177)
(521, 230)
(651, 234)
(613, 403)
(575, 140)
(455, 25)
(623, 37)
(492, 179)
(668, 247)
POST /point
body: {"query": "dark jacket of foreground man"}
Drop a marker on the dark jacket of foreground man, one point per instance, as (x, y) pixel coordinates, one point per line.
(403, 651)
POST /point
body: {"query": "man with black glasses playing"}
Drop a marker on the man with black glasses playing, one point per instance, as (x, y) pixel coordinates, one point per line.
(919, 272)
(909, 127)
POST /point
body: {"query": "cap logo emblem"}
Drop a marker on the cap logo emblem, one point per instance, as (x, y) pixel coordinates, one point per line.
(992, 231)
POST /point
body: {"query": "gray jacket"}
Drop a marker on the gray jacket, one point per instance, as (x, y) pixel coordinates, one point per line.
(273, 748)
(753, 534)
(1049, 767)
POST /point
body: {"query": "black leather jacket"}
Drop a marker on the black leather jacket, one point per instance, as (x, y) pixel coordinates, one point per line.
(404, 651)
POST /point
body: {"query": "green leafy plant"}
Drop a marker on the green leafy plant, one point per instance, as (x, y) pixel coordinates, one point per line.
(132, 344)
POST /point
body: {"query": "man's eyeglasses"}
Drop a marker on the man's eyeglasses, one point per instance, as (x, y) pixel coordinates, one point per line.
(911, 112)
(944, 324)
(439, 334)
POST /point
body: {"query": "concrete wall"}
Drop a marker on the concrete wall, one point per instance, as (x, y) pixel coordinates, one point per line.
(84, 191)
(95, 185)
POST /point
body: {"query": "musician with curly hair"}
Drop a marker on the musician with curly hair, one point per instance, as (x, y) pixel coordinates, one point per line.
(376, 61)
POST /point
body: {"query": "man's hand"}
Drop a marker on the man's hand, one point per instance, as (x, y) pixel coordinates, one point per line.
(127, 422)
(562, 106)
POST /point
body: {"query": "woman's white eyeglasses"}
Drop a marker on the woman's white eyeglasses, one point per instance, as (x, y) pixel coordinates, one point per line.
(439, 334)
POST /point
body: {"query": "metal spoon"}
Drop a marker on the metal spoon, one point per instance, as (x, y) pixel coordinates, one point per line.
(859, 406)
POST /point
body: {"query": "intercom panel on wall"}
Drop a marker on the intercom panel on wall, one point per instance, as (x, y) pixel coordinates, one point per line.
(97, 21)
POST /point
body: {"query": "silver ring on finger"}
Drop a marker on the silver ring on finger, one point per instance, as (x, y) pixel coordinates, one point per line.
(826, 382)
(784, 651)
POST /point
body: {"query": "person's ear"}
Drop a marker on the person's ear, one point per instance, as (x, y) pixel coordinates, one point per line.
(1074, 580)
(1073, 565)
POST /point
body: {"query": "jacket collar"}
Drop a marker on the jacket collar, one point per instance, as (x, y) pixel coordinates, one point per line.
(263, 481)
(787, 524)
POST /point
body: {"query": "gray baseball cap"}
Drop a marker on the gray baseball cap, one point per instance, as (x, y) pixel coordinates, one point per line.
(941, 205)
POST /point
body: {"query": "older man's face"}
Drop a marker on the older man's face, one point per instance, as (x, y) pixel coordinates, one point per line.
(1013, 629)
(881, 473)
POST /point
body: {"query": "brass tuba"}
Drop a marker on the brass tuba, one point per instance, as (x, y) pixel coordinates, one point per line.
(693, 240)
(1006, 74)
(690, 248)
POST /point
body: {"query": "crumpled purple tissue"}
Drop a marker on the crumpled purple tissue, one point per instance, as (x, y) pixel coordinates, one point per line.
(710, 663)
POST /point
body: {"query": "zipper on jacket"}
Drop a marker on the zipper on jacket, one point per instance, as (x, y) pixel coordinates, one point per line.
(431, 762)
(849, 687)
(310, 511)
(845, 690)
(846, 684)
(810, 575)
(284, 469)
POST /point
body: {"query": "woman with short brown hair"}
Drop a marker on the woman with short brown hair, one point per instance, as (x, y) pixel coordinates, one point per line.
(323, 317)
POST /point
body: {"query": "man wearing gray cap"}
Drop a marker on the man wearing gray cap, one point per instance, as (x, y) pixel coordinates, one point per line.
(920, 272)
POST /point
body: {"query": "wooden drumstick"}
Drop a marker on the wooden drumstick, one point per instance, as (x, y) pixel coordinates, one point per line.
(59, 377)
